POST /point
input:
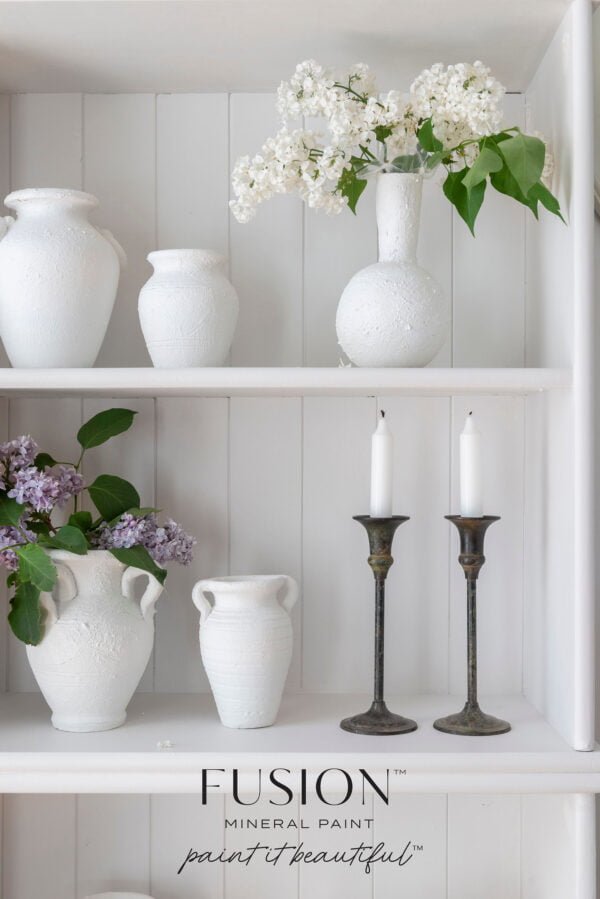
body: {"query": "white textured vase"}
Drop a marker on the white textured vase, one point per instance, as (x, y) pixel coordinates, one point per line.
(188, 309)
(58, 279)
(393, 313)
(97, 640)
(246, 644)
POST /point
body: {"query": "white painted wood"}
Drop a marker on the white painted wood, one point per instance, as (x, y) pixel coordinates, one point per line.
(484, 837)
(192, 172)
(192, 487)
(585, 841)
(500, 599)
(39, 849)
(338, 585)
(5, 101)
(115, 856)
(46, 141)
(266, 496)
(282, 381)
(548, 851)
(119, 168)
(178, 824)
(489, 276)
(266, 254)
(130, 456)
(419, 821)
(417, 593)
(54, 427)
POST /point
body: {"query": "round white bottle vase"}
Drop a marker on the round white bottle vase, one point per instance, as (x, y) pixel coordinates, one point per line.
(188, 309)
(393, 313)
(246, 644)
(58, 279)
(97, 640)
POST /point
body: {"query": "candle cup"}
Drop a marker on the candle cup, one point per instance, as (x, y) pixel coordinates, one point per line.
(378, 720)
(471, 721)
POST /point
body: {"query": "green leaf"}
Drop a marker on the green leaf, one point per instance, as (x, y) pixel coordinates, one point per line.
(504, 183)
(382, 132)
(467, 202)
(44, 460)
(103, 426)
(524, 156)
(139, 557)
(10, 511)
(69, 538)
(351, 186)
(540, 192)
(26, 616)
(409, 163)
(112, 496)
(427, 138)
(81, 520)
(36, 567)
(487, 162)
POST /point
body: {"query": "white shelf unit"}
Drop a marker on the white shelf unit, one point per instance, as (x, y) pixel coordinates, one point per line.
(273, 452)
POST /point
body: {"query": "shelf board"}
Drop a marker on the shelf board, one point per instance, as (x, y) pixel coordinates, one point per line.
(531, 758)
(281, 381)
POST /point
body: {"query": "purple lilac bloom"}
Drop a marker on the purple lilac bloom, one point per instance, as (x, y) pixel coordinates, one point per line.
(43, 490)
(168, 543)
(9, 537)
(16, 455)
(130, 530)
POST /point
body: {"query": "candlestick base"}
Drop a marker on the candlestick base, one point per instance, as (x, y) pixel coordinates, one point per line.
(472, 722)
(378, 721)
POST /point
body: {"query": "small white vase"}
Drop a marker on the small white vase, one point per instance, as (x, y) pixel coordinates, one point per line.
(58, 279)
(188, 309)
(393, 313)
(97, 640)
(246, 644)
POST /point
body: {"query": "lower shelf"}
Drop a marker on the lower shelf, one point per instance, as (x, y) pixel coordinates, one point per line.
(169, 739)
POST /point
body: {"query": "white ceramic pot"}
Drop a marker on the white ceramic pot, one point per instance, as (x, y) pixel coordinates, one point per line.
(246, 644)
(393, 313)
(188, 309)
(58, 279)
(97, 640)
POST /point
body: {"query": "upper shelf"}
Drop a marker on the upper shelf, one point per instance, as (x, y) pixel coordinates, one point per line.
(207, 45)
(281, 381)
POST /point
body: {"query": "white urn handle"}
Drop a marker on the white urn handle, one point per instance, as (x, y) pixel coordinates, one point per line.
(292, 591)
(5, 222)
(64, 590)
(200, 599)
(110, 237)
(151, 593)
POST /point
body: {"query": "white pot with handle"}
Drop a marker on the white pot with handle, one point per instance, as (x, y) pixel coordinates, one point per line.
(58, 279)
(246, 643)
(97, 640)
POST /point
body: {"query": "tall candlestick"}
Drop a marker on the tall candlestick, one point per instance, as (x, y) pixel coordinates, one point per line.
(471, 474)
(382, 470)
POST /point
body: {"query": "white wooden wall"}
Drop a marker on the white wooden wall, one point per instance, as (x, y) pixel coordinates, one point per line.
(271, 484)
(66, 847)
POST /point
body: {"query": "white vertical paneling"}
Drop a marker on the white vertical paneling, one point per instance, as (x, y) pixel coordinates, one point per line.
(500, 584)
(417, 593)
(335, 248)
(535, 575)
(46, 141)
(547, 852)
(338, 584)
(54, 425)
(489, 276)
(484, 847)
(266, 254)
(192, 487)
(5, 101)
(39, 847)
(181, 823)
(416, 821)
(322, 881)
(119, 167)
(266, 495)
(113, 845)
(192, 171)
(130, 456)
(259, 880)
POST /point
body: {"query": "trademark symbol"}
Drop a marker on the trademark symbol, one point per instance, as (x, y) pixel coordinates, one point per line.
(417, 848)
(399, 772)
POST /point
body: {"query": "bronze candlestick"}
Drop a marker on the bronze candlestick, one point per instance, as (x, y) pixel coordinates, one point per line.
(379, 720)
(472, 721)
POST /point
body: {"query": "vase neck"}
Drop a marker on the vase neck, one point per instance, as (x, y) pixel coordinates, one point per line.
(186, 260)
(398, 205)
(42, 202)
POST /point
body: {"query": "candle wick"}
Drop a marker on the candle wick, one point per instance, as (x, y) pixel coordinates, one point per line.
(382, 414)
(471, 412)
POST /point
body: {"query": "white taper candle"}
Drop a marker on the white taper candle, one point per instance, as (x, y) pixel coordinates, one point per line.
(382, 470)
(471, 473)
